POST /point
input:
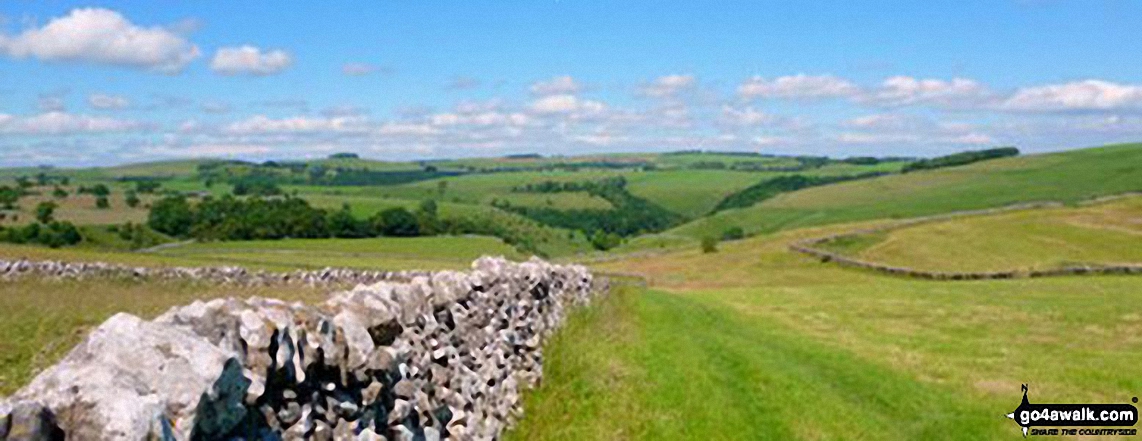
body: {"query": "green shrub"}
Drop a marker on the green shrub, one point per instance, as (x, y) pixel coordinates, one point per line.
(709, 245)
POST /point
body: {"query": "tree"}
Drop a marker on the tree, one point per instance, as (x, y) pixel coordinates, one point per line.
(24, 183)
(709, 245)
(8, 197)
(603, 240)
(343, 224)
(397, 222)
(172, 216)
(102, 203)
(59, 193)
(45, 212)
(132, 199)
(100, 190)
(441, 187)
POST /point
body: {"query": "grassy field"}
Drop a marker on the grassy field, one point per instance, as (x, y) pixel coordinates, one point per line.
(1068, 176)
(1106, 233)
(756, 342)
(384, 253)
(44, 319)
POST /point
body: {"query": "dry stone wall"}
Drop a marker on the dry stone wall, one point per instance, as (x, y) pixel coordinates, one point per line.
(12, 269)
(444, 355)
(810, 247)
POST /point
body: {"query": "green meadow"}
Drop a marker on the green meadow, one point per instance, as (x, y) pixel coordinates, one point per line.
(1100, 234)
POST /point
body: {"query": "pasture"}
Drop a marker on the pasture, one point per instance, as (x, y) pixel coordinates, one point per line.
(756, 342)
(1098, 234)
(1069, 176)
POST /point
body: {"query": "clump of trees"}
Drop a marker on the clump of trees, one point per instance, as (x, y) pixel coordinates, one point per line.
(255, 218)
(256, 186)
(961, 158)
(781, 184)
(629, 216)
(54, 234)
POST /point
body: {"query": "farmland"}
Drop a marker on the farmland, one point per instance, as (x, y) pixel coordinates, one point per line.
(1099, 234)
(777, 345)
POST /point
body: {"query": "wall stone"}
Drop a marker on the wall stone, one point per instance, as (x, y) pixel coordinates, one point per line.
(13, 269)
(443, 355)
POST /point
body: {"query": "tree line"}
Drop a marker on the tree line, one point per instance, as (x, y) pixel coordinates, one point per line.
(255, 218)
(961, 158)
(630, 215)
(772, 187)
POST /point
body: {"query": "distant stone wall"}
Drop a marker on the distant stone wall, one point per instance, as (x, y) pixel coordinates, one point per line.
(443, 355)
(12, 269)
(809, 247)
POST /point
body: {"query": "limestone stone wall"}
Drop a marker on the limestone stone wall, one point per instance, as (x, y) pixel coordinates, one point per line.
(12, 269)
(444, 355)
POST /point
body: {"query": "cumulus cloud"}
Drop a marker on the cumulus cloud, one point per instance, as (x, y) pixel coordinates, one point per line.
(747, 116)
(668, 86)
(61, 123)
(563, 85)
(250, 60)
(102, 36)
(798, 87)
(107, 102)
(1080, 95)
(905, 90)
(566, 104)
(260, 124)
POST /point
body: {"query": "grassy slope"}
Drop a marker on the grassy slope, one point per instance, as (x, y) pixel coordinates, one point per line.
(1034, 239)
(1066, 176)
(756, 342)
(44, 319)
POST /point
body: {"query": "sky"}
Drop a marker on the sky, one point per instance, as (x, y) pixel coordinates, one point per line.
(100, 83)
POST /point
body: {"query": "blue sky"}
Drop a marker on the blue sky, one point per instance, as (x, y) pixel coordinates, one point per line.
(112, 82)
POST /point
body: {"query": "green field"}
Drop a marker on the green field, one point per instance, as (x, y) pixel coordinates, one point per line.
(1101, 234)
(1068, 176)
(382, 253)
(756, 342)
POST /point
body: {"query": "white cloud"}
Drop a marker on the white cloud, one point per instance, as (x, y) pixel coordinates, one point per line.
(1080, 95)
(107, 102)
(60, 123)
(102, 36)
(563, 85)
(261, 124)
(566, 104)
(668, 86)
(883, 121)
(406, 129)
(798, 87)
(250, 60)
(905, 90)
(747, 116)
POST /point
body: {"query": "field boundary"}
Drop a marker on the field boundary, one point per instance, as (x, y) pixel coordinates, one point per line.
(809, 247)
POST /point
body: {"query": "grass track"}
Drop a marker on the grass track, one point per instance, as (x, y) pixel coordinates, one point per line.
(657, 365)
